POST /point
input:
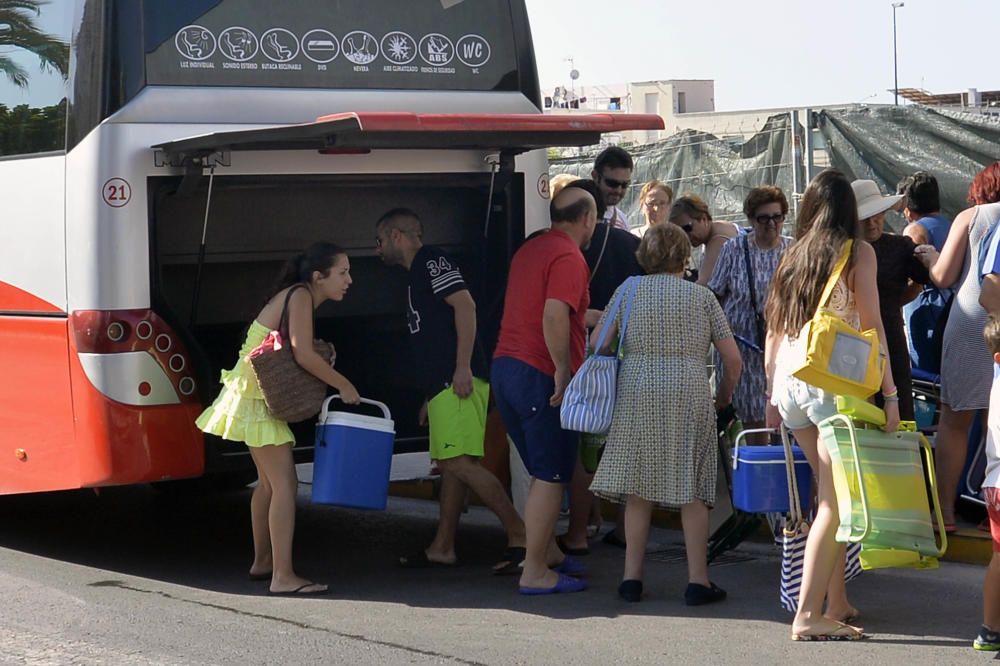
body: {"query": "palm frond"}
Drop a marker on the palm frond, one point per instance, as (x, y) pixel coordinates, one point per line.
(14, 72)
(19, 28)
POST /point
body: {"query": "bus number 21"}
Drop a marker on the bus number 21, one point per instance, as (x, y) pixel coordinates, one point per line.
(117, 192)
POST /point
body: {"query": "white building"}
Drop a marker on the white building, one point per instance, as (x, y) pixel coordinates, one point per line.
(669, 99)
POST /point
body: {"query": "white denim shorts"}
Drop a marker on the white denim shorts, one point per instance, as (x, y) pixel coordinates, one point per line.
(800, 404)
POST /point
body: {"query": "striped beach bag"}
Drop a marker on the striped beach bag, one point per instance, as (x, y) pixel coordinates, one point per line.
(792, 540)
(589, 400)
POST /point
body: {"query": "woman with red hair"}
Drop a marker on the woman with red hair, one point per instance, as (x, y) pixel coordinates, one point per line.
(966, 363)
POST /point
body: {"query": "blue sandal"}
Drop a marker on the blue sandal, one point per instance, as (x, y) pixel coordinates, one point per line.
(565, 585)
(571, 567)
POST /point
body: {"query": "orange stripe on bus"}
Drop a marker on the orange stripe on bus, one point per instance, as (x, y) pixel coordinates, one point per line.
(15, 299)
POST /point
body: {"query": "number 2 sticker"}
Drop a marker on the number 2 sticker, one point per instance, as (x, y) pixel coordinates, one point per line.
(116, 192)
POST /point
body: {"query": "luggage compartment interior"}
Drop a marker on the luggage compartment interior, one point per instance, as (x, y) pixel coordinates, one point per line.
(255, 223)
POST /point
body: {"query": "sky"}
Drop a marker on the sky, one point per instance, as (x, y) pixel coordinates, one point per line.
(771, 53)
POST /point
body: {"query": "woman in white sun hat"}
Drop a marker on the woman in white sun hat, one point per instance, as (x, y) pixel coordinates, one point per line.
(901, 272)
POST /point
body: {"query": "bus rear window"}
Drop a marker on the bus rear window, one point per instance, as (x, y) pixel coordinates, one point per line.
(387, 44)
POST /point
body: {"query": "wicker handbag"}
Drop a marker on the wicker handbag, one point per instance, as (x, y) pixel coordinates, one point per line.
(291, 392)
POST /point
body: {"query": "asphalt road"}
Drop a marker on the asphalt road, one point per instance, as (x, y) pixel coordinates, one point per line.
(133, 576)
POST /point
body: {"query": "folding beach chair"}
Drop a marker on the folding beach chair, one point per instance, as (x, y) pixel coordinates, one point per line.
(880, 480)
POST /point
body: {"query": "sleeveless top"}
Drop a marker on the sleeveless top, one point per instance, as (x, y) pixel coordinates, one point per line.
(966, 362)
(937, 227)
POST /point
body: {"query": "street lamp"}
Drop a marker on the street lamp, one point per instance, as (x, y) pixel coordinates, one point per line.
(895, 66)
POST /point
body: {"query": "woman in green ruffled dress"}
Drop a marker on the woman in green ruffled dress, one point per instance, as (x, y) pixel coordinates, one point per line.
(321, 273)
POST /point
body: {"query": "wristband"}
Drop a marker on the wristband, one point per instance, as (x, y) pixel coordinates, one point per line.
(890, 394)
(890, 398)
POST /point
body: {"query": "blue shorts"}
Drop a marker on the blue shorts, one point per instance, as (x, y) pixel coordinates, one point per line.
(802, 405)
(522, 395)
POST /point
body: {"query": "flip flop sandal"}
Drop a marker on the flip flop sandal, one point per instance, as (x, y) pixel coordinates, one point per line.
(570, 567)
(949, 528)
(419, 560)
(510, 562)
(301, 591)
(853, 635)
(565, 585)
(566, 549)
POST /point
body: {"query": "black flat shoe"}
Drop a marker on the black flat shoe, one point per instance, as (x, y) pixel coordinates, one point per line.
(630, 590)
(699, 595)
(612, 539)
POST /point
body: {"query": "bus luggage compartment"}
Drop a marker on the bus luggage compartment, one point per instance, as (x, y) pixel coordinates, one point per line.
(255, 223)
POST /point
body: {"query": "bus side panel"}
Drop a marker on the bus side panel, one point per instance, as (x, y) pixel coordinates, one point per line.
(121, 444)
(33, 251)
(534, 165)
(36, 412)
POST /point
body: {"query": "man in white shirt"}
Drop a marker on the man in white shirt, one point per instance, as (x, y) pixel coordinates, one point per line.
(613, 175)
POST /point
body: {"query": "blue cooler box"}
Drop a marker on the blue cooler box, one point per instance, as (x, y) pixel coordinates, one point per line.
(760, 483)
(353, 457)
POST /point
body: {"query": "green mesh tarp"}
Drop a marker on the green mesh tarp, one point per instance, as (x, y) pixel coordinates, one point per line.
(722, 171)
(881, 143)
(887, 143)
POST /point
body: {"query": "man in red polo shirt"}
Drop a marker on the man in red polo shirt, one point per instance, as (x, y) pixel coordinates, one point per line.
(541, 345)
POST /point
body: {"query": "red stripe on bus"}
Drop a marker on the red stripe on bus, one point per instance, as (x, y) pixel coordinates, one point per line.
(15, 299)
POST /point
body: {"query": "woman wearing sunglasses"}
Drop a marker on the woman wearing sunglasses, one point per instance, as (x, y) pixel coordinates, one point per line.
(741, 281)
(690, 213)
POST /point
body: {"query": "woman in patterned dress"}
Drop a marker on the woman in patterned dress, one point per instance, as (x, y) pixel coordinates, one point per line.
(765, 208)
(662, 447)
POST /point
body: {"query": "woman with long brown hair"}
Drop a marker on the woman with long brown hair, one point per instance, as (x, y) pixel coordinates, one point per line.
(828, 219)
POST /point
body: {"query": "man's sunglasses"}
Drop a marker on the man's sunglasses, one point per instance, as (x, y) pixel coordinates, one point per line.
(616, 184)
(764, 219)
(686, 227)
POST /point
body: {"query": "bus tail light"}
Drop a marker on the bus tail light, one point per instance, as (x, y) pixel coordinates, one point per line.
(129, 331)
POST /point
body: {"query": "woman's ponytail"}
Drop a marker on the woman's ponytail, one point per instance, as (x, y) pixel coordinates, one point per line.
(299, 268)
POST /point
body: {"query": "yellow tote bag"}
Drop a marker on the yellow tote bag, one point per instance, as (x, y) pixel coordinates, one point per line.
(838, 358)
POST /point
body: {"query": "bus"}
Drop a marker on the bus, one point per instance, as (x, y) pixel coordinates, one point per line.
(165, 158)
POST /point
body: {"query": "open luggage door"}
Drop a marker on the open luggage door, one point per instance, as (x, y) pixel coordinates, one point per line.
(351, 132)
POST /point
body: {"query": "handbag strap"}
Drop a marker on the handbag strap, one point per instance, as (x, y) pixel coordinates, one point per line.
(626, 292)
(632, 284)
(794, 508)
(838, 268)
(597, 264)
(750, 280)
(283, 321)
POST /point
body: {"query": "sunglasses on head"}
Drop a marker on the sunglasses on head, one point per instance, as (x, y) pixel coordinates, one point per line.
(616, 184)
(764, 219)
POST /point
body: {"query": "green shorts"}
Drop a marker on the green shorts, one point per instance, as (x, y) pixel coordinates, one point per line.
(458, 426)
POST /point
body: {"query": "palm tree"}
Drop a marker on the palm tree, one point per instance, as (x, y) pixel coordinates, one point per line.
(18, 28)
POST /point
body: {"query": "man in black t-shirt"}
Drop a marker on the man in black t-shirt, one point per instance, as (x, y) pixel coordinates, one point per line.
(441, 317)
